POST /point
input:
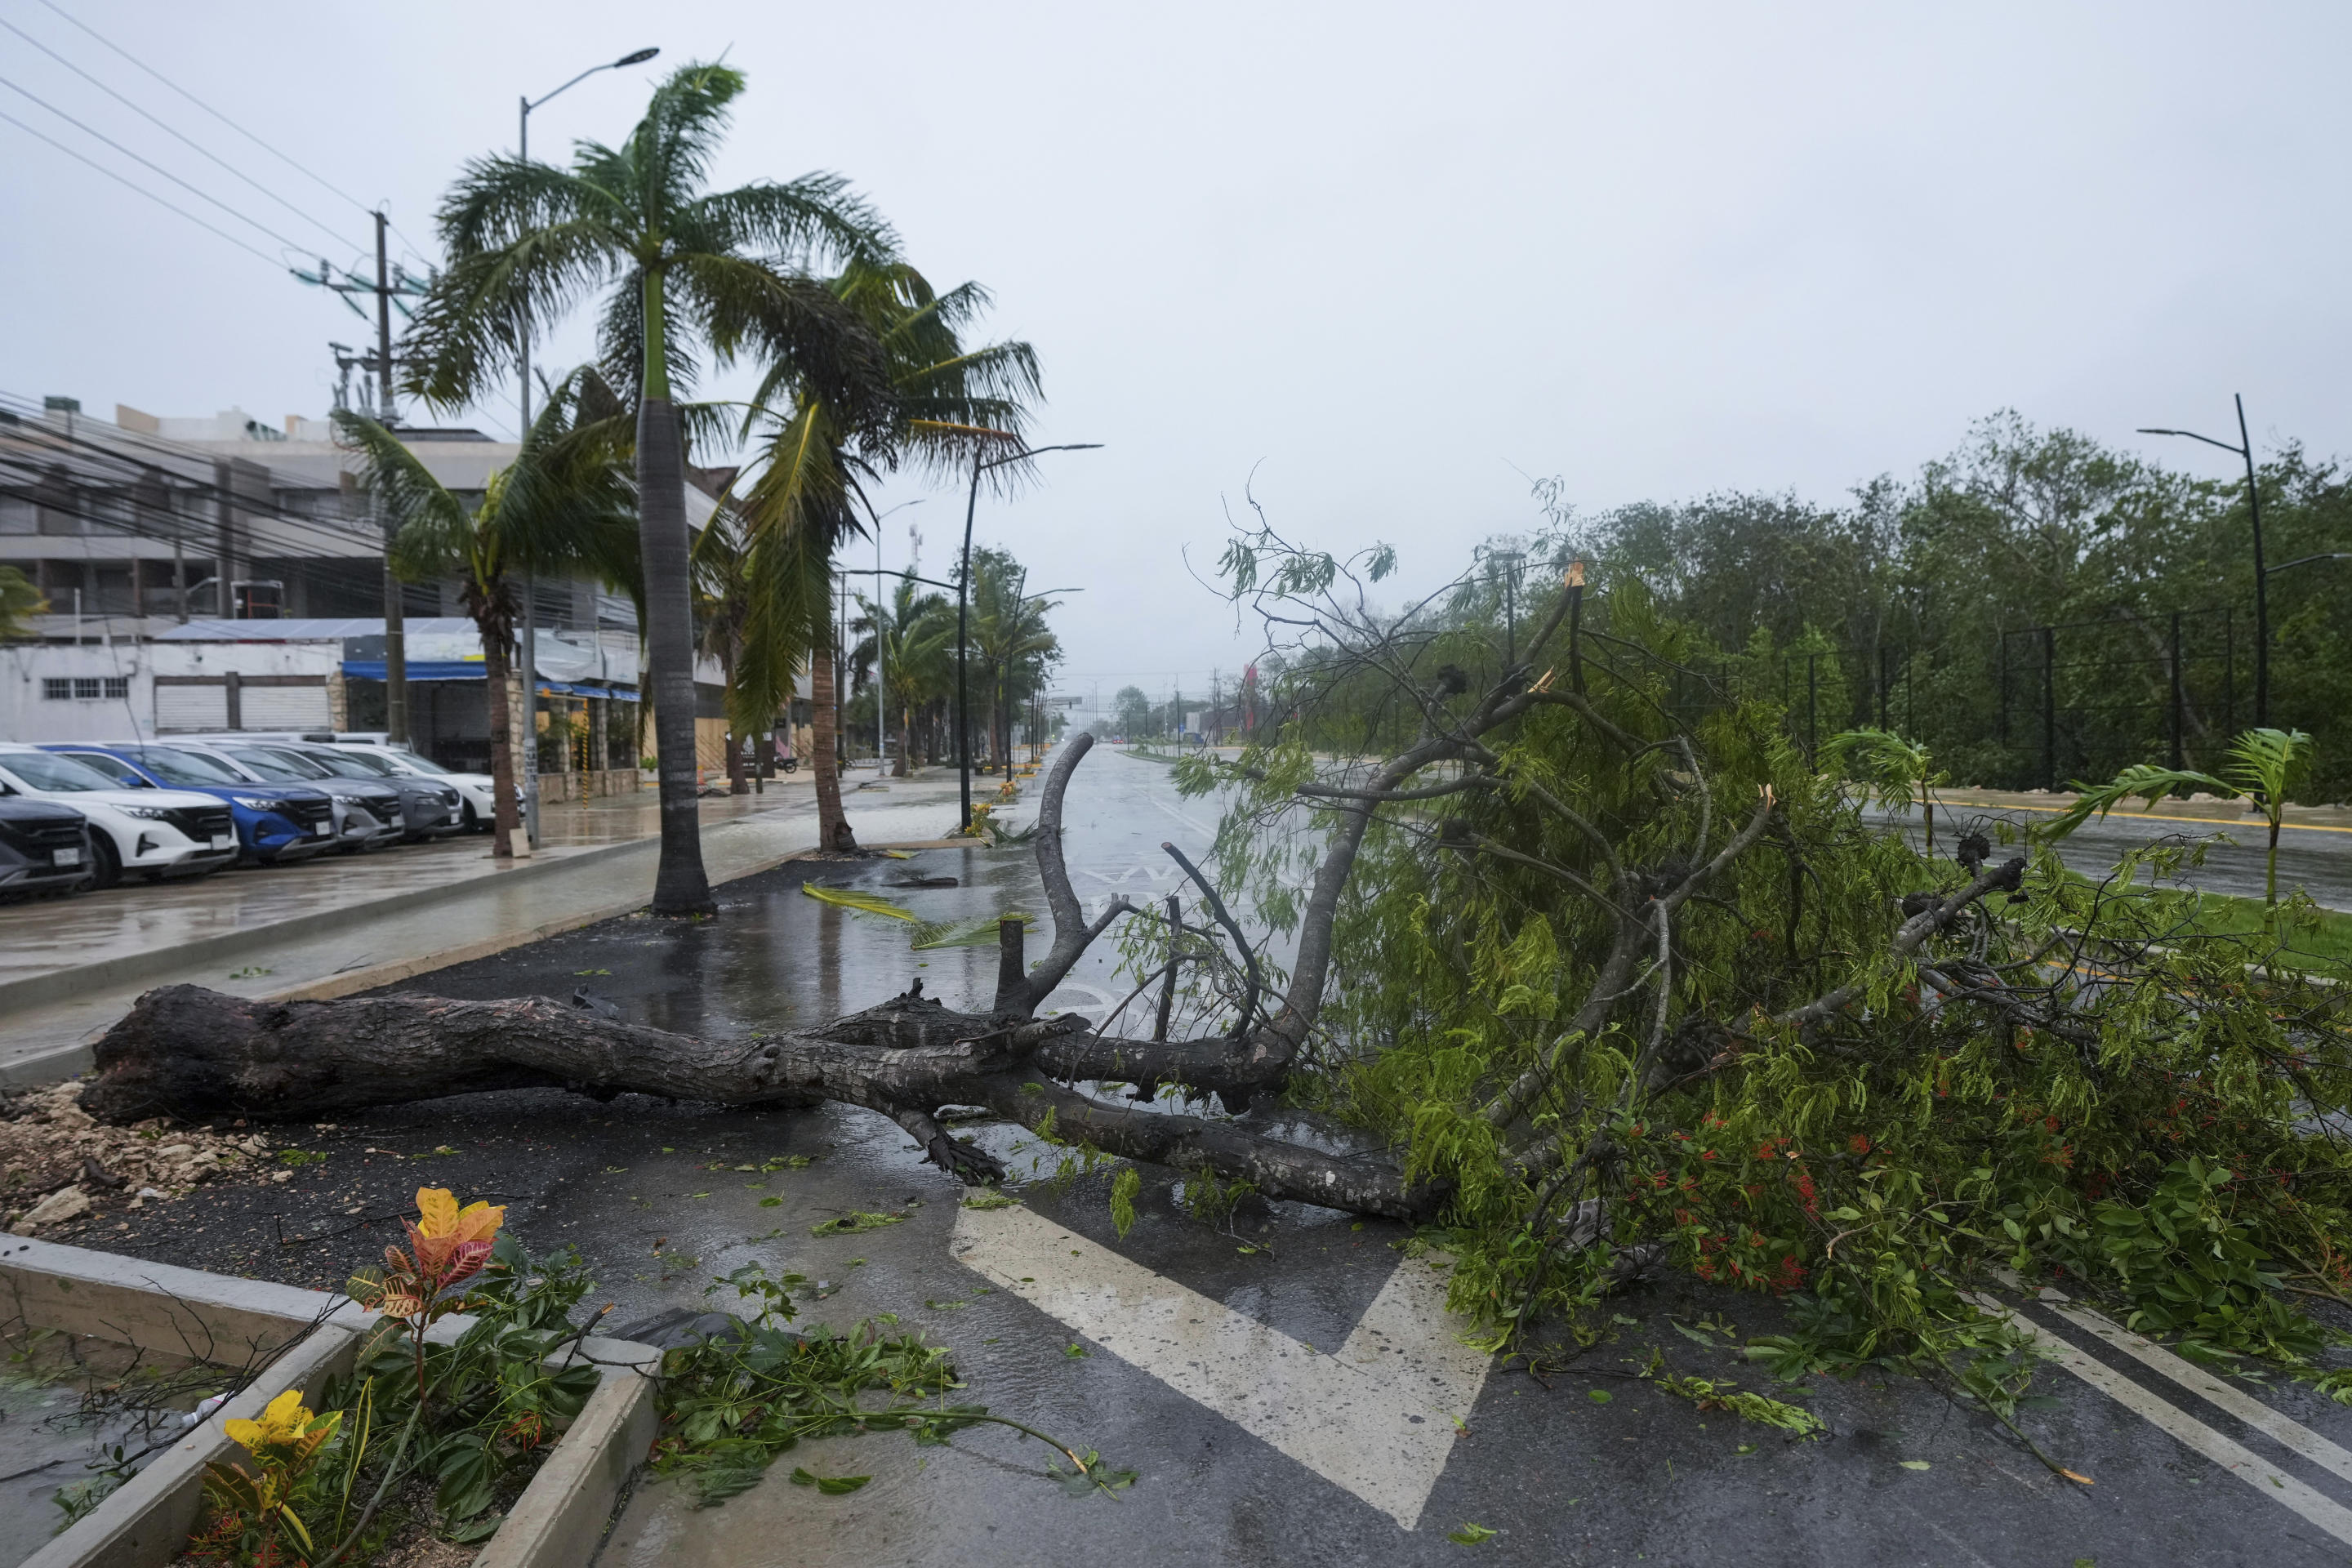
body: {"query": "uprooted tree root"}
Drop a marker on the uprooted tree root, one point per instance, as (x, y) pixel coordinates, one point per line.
(1616, 983)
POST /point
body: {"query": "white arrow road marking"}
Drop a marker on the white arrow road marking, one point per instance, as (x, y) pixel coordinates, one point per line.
(1377, 1418)
(2226, 1452)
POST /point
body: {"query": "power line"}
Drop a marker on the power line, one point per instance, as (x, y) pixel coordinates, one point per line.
(167, 174)
(151, 195)
(208, 108)
(170, 130)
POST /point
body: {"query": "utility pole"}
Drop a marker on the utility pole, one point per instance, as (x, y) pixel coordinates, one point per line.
(395, 634)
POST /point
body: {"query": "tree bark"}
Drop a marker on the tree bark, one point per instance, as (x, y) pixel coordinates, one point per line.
(194, 1054)
(832, 821)
(506, 816)
(681, 887)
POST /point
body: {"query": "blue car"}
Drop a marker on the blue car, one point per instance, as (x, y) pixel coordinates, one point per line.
(277, 824)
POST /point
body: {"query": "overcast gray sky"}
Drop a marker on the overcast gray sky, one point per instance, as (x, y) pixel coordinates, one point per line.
(1390, 256)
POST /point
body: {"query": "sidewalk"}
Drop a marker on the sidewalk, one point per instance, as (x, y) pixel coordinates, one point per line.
(69, 969)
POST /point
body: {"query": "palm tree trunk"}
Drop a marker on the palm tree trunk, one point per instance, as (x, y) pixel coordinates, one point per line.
(900, 768)
(506, 816)
(832, 823)
(736, 783)
(680, 885)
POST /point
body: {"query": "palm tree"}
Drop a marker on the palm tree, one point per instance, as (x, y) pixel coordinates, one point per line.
(20, 601)
(564, 504)
(911, 635)
(1010, 638)
(948, 401)
(692, 271)
(2265, 763)
(722, 603)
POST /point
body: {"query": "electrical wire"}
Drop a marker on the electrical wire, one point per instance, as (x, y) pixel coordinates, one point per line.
(167, 174)
(170, 130)
(208, 108)
(274, 261)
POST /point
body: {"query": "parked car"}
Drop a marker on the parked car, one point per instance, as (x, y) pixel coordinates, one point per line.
(474, 791)
(366, 814)
(428, 809)
(143, 832)
(275, 824)
(43, 848)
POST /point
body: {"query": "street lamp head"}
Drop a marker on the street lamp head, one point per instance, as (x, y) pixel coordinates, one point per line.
(638, 59)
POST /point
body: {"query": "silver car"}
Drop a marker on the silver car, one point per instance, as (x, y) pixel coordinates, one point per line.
(429, 808)
(367, 814)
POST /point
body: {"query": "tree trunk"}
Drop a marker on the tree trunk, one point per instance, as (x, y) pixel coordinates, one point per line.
(194, 1054)
(899, 769)
(832, 823)
(506, 816)
(680, 885)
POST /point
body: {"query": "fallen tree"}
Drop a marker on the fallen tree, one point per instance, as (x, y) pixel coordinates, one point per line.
(1608, 972)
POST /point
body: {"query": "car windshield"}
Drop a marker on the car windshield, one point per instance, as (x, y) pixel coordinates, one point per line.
(335, 763)
(355, 764)
(47, 770)
(271, 766)
(176, 767)
(409, 762)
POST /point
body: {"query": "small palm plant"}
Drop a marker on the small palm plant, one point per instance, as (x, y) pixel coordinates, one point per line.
(1896, 771)
(2265, 763)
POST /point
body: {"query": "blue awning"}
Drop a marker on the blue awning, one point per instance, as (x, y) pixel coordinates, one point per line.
(471, 669)
(418, 670)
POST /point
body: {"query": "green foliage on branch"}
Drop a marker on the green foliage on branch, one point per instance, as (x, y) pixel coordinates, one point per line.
(1834, 1071)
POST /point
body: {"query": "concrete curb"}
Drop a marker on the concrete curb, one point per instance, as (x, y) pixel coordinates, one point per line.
(556, 1523)
(65, 1062)
(58, 983)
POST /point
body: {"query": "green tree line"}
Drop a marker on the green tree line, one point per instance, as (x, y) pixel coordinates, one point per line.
(1916, 603)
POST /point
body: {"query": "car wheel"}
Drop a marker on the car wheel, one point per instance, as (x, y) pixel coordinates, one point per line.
(473, 823)
(107, 863)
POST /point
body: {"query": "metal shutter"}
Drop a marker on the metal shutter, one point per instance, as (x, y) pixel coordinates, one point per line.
(202, 707)
(283, 707)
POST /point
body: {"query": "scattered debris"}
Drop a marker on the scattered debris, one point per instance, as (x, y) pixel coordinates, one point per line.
(57, 1162)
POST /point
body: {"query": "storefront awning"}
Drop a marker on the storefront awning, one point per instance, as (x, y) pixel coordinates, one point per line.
(471, 669)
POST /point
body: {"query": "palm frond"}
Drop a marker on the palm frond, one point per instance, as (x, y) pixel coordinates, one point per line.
(2145, 780)
(2269, 763)
(431, 530)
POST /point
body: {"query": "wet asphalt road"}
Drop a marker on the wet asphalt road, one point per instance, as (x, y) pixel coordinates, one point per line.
(2317, 860)
(656, 1195)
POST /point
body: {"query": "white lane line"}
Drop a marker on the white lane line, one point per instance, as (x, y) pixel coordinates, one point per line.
(1189, 820)
(2230, 1454)
(2293, 1435)
(1377, 1418)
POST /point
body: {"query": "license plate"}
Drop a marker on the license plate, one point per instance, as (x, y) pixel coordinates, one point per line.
(66, 856)
(224, 840)
(320, 829)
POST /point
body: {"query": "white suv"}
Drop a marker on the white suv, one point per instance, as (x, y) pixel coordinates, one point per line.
(133, 831)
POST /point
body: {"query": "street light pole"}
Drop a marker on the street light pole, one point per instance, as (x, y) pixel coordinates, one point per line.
(529, 577)
(2245, 449)
(964, 610)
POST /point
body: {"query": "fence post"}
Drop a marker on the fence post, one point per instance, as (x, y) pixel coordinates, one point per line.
(1812, 709)
(2050, 707)
(2001, 662)
(2228, 670)
(1882, 685)
(2177, 763)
